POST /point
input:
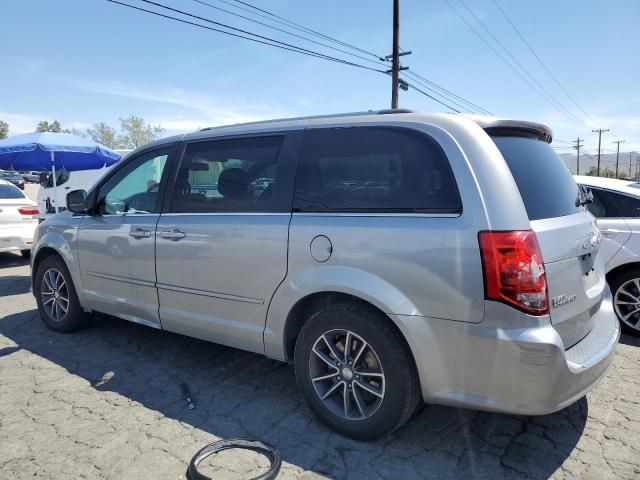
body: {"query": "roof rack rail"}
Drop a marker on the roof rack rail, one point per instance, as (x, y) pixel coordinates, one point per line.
(388, 111)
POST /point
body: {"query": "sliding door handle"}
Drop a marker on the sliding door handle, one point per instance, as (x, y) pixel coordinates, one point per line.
(140, 233)
(174, 234)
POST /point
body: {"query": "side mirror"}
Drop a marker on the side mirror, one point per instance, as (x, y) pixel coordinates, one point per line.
(77, 201)
(44, 178)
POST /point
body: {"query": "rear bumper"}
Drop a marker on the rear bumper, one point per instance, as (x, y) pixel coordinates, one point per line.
(512, 370)
(17, 238)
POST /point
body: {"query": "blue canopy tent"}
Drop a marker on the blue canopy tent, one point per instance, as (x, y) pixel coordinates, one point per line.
(50, 151)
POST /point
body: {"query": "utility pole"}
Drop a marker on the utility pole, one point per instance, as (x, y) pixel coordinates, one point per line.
(617, 154)
(599, 143)
(630, 164)
(578, 146)
(395, 56)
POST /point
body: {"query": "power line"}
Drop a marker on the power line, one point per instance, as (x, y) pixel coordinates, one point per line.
(267, 41)
(431, 97)
(446, 94)
(517, 72)
(517, 62)
(291, 24)
(207, 4)
(433, 91)
(419, 78)
(540, 60)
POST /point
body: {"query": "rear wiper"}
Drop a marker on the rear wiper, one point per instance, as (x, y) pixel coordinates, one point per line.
(585, 196)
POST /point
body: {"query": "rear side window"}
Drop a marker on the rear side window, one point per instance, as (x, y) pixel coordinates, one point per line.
(10, 191)
(607, 204)
(374, 169)
(229, 175)
(546, 186)
(603, 205)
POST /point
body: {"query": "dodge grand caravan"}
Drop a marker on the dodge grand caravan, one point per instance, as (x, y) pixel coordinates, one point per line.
(393, 258)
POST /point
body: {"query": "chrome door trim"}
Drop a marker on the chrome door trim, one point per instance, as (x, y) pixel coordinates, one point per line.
(117, 278)
(206, 293)
(376, 214)
(225, 214)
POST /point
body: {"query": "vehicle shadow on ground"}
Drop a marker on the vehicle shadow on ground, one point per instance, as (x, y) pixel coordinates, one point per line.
(630, 340)
(10, 259)
(236, 393)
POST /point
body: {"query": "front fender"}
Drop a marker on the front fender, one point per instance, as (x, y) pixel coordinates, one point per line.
(60, 234)
(351, 281)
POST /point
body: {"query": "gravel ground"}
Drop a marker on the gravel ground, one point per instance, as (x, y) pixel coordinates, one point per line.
(111, 402)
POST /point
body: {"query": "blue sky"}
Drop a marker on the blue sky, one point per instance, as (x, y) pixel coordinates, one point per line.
(85, 61)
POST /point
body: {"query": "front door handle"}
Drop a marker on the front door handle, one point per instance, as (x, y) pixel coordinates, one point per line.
(609, 232)
(174, 234)
(140, 233)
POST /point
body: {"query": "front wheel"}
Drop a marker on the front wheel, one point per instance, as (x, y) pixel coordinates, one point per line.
(56, 296)
(355, 371)
(626, 301)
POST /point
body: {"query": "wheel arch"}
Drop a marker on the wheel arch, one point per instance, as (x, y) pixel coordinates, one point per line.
(307, 305)
(52, 244)
(622, 270)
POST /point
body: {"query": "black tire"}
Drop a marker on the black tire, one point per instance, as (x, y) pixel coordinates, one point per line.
(25, 253)
(615, 285)
(74, 318)
(401, 384)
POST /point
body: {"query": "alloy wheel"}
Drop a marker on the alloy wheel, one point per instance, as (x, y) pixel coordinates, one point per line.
(347, 375)
(54, 294)
(627, 303)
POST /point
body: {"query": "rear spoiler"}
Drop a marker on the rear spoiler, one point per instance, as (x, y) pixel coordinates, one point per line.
(514, 128)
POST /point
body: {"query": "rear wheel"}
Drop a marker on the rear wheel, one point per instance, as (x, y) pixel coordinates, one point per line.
(355, 371)
(626, 301)
(56, 296)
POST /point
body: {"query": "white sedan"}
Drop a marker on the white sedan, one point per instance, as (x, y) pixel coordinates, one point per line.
(18, 219)
(616, 206)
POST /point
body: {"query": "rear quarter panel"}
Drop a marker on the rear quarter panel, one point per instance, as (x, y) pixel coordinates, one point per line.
(413, 264)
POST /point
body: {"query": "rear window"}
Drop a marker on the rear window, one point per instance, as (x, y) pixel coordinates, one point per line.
(374, 169)
(546, 186)
(9, 191)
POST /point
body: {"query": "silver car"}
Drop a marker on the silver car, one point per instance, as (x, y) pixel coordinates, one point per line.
(393, 258)
(616, 205)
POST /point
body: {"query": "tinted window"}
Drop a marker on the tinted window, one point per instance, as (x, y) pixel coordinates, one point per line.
(603, 205)
(363, 169)
(546, 186)
(10, 191)
(62, 177)
(628, 206)
(134, 187)
(231, 175)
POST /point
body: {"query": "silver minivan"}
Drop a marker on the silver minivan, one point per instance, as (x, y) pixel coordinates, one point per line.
(392, 257)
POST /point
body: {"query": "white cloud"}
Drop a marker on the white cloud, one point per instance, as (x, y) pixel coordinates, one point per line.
(191, 109)
(19, 123)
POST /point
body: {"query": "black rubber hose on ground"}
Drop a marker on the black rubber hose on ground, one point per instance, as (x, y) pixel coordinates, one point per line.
(242, 443)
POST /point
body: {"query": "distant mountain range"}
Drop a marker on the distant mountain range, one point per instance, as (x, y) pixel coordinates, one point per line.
(607, 160)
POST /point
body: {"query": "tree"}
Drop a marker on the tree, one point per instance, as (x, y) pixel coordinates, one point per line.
(134, 132)
(45, 126)
(104, 134)
(4, 129)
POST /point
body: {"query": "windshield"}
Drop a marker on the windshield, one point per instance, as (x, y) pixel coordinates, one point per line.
(546, 186)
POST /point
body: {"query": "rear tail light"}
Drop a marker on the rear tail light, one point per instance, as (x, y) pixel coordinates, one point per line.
(27, 211)
(513, 270)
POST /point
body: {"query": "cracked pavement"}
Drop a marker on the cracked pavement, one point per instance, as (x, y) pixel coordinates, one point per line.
(110, 402)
